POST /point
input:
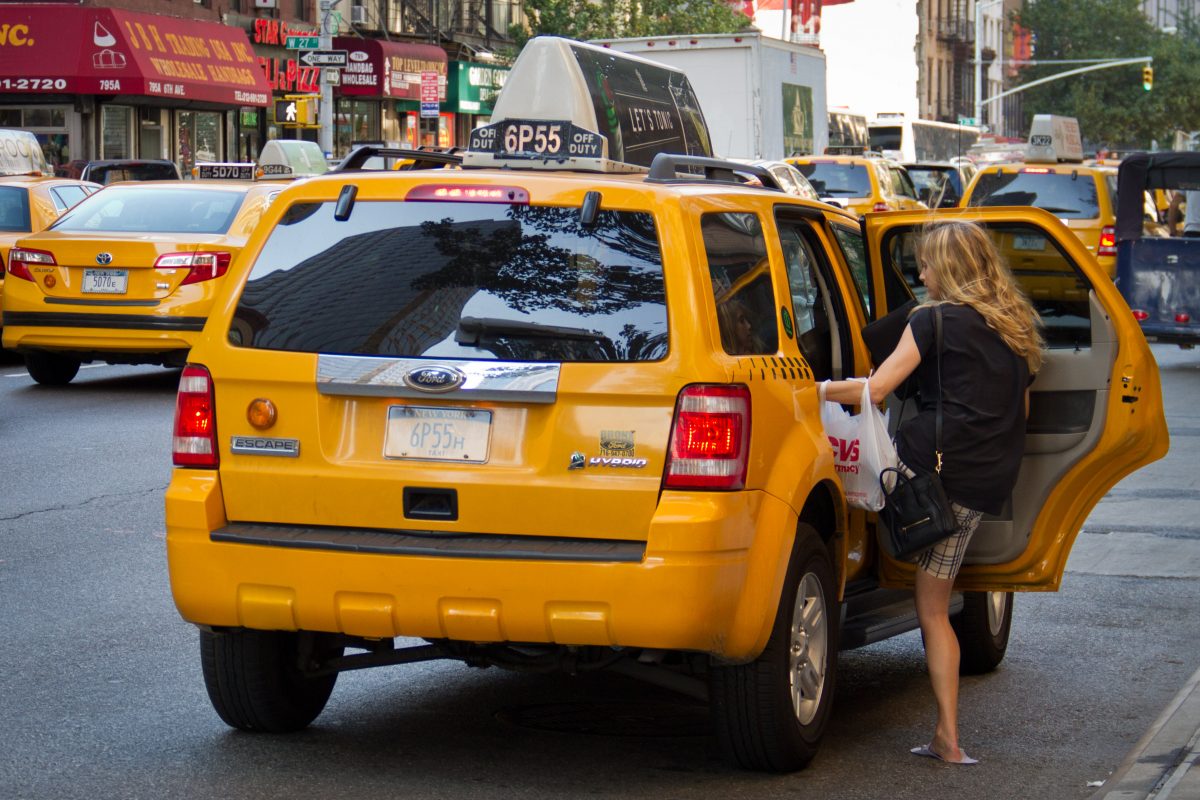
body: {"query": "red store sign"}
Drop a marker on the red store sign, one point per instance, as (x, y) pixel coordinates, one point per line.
(284, 74)
(379, 68)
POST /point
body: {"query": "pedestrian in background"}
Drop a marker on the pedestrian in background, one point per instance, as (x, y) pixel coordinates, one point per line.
(992, 347)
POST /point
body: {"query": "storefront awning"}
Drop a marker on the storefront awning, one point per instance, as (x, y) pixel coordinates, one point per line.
(380, 68)
(60, 49)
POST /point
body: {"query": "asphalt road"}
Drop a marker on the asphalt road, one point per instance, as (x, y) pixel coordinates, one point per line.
(101, 694)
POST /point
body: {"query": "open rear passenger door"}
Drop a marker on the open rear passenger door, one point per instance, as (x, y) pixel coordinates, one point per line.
(1096, 410)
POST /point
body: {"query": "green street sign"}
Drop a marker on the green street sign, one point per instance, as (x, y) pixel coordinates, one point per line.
(967, 121)
(302, 42)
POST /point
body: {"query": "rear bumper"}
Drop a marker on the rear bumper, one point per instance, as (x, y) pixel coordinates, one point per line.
(99, 333)
(708, 581)
(1171, 334)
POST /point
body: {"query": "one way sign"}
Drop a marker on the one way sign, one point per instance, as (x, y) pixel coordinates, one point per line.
(324, 58)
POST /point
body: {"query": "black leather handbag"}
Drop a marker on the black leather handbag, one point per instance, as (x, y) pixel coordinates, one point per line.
(916, 514)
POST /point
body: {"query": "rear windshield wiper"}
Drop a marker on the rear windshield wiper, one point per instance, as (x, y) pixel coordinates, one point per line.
(470, 329)
(1057, 210)
(846, 191)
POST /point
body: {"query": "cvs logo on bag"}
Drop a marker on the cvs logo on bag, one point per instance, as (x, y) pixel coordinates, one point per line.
(845, 453)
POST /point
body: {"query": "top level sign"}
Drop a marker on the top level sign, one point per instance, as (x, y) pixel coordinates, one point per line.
(324, 58)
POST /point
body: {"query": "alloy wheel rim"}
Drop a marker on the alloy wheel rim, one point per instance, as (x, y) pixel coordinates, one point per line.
(808, 649)
(996, 605)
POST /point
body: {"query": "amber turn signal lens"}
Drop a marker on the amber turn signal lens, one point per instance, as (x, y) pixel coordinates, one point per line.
(261, 413)
(50, 281)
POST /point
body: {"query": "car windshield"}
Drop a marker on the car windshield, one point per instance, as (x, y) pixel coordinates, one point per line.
(111, 173)
(458, 280)
(14, 209)
(1069, 195)
(832, 178)
(136, 209)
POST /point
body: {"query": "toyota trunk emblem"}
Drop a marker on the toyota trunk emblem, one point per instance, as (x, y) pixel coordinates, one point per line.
(103, 259)
(434, 379)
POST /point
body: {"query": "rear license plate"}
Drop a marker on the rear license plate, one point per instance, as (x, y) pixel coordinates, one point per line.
(438, 434)
(1029, 241)
(105, 281)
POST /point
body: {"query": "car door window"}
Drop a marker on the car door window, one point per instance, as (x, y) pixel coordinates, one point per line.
(1047, 275)
(850, 242)
(67, 196)
(741, 283)
(819, 310)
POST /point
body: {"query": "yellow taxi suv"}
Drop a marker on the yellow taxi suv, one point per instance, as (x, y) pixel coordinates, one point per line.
(860, 183)
(1053, 177)
(128, 275)
(557, 410)
(29, 200)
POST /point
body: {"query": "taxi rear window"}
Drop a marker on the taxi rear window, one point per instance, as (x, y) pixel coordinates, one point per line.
(112, 173)
(1069, 195)
(839, 180)
(469, 280)
(133, 209)
(14, 209)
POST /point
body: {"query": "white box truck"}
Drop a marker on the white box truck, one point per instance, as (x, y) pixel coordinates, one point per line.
(761, 97)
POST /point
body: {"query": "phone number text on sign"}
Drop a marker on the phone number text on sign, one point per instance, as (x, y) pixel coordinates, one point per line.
(32, 84)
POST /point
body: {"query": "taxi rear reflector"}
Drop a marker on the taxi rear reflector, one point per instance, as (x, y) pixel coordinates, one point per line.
(1108, 241)
(710, 439)
(194, 443)
(19, 259)
(469, 194)
(202, 266)
(1140, 316)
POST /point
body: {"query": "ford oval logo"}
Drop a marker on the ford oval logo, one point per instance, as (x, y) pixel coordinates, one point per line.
(434, 379)
(103, 259)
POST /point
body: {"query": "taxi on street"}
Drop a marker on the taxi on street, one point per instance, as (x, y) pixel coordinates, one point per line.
(860, 183)
(1054, 177)
(557, 410)
(128, 275)
(29, 199)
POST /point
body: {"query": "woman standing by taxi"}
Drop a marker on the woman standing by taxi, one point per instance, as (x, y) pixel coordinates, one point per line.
(991, 349)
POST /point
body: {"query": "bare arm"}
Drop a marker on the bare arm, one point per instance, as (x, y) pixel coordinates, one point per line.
(891, 373)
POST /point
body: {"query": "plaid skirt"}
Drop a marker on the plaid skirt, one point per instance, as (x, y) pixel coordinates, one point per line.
(945, 558)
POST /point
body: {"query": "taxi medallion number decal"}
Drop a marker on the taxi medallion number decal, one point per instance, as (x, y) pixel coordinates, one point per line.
(518, 138)
(240, 172)
(105, 281)
(438, 434)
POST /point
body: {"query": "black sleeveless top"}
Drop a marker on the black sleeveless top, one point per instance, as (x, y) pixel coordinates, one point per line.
(983, 409)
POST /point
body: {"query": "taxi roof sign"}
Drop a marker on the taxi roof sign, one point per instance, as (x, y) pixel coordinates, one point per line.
(1053, 138)
(570, 105)
(21, 154)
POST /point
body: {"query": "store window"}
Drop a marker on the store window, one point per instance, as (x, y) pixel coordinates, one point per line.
(116, 132)
(197, 138)
(51, 126)
(357, 120)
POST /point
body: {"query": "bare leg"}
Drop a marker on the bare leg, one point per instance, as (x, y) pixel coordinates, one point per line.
(941, 654)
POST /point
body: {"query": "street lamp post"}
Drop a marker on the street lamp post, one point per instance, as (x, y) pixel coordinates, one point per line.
(979, 7)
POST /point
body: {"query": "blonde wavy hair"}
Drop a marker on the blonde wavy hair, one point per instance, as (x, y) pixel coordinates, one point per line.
(967, 269)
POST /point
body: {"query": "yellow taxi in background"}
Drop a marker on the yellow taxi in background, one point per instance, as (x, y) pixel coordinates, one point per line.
(558, 410)
(128, 275)
(29, 200)
(860, 183)
(1053, 177)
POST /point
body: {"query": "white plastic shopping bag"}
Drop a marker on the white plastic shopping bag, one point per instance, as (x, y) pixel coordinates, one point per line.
(861, 449)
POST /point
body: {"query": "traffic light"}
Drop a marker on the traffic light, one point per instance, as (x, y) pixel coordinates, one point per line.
(1147, 78)
(296, 110)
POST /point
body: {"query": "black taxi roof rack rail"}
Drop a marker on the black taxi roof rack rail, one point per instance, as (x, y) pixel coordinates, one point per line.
(422, 159)
(666, 168)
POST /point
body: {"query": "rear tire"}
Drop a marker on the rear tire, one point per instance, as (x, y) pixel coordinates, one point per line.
(51, 369)
(982, 628)
(770, 714)
(255, 683)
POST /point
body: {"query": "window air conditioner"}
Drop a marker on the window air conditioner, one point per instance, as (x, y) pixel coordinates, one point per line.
(358, 15)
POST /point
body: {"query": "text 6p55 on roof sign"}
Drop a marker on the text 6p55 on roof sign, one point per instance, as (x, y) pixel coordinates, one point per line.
(565, 102)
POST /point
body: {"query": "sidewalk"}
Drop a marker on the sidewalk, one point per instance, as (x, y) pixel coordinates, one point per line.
(1165, 763)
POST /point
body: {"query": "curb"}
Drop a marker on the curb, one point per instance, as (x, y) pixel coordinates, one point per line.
(1160, 765)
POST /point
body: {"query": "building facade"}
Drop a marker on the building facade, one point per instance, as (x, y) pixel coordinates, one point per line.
(198, 82)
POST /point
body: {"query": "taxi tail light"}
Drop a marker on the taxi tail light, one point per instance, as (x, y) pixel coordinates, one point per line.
(201, 266)
(880, 207)
(1140, 316)
(1183, 318)
(1108, 241)
(19, 259)
(194, 440)
(710, 438)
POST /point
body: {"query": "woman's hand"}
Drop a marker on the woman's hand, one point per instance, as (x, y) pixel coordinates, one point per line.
(891, 373)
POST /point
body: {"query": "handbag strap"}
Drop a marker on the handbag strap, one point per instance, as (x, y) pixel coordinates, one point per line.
(937, 436)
